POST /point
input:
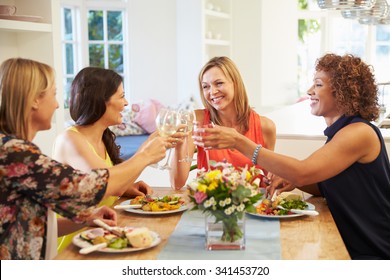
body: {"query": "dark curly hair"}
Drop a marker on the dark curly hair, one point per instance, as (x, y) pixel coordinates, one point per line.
(353, 85)
(91, 89)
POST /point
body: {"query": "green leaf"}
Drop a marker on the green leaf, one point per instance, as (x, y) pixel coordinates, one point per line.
(250, 208)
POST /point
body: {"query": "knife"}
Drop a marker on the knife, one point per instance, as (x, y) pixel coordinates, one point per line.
(128, 206)
(114, 230)
(300, 211)
(93, 248)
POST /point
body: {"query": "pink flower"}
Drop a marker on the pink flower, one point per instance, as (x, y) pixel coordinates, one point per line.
(17, 169)
(200, 197)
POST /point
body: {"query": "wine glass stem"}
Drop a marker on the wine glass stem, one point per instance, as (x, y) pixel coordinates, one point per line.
(207, 159)
(166, 165)
(185, 159)
(186, 147)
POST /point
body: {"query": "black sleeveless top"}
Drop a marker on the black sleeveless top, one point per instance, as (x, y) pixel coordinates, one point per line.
(359, 200)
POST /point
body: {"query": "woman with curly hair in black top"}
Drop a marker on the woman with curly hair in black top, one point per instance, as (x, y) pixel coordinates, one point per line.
(351, 170)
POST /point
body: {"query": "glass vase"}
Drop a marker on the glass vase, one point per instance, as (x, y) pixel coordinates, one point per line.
(228, 234)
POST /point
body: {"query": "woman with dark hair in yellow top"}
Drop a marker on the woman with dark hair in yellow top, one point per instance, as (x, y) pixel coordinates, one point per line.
(96, 101)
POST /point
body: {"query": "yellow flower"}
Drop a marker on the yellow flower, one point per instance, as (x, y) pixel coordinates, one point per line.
(248, 176)
(214, 175)
(212, 185)
(202, 188)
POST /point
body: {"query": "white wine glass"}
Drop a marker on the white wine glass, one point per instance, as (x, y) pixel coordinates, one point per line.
(187, 117)
(167, 122)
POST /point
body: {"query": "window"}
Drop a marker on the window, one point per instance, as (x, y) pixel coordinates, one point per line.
(93, 34)
(105, 39)
(69, 49)
(339, 35)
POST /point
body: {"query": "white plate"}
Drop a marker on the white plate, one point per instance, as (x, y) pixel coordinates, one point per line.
(78, 241)
(309, 207)
(140, 211)
(21, 17)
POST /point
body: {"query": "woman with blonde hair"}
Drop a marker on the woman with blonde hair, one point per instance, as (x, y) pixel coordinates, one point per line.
(31, 183)
(226, 103)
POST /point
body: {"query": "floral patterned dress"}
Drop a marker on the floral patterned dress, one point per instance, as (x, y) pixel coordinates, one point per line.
(30, 184)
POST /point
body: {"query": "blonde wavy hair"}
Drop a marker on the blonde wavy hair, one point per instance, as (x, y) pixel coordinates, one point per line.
(21, 82)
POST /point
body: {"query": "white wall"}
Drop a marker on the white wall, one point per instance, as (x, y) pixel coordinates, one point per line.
(153, 70)
(278, 52)
(246, 48)
(189, 38)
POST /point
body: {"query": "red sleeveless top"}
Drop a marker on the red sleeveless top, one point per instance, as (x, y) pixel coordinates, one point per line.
(232, 156)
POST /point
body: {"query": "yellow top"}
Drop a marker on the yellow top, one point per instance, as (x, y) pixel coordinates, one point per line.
(65, 240)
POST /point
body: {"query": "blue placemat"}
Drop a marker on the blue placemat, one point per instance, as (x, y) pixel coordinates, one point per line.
(187, 242)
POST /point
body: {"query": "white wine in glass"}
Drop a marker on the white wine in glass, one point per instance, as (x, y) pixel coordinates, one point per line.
(167, 122)
(187, 117)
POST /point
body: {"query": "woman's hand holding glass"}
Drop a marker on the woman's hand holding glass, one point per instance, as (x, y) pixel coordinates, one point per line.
(154, 148)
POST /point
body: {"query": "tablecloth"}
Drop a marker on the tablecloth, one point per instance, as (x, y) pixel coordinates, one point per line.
(187, 241)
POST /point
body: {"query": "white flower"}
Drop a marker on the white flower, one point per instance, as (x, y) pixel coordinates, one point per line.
(222, 203)
(228, 200)
(256, 182)
(193, 185)
(229, 211)
(241, 207)
(207, 203)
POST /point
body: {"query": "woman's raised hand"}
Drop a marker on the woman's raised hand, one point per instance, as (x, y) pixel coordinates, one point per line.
(154, 148)
(216, 137)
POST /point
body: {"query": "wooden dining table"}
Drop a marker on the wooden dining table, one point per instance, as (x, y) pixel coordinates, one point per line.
(301, 238)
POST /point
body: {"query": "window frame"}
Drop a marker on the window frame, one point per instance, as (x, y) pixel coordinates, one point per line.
(80, 11)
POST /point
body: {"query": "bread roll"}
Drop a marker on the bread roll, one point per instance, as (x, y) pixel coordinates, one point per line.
(140, 237)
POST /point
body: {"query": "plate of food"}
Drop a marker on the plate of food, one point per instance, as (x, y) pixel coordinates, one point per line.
(148, 205)
(131, 239)
(286, 205)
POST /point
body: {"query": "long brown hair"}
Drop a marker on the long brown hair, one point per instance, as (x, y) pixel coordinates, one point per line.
(240, 99)
(21, 82)
(91, 89)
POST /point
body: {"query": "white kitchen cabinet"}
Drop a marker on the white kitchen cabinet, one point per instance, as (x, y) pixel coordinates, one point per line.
(204, 30)
(217, 28)
(38, 39)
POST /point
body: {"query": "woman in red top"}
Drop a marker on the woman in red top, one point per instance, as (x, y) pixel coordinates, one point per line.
(226, 103)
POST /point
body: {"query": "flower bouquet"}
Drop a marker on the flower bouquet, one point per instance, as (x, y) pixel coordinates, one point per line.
(226, 193)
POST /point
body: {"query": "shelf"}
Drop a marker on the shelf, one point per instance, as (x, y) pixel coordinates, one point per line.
(215, 42)
(24, 26)
(216, 14)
